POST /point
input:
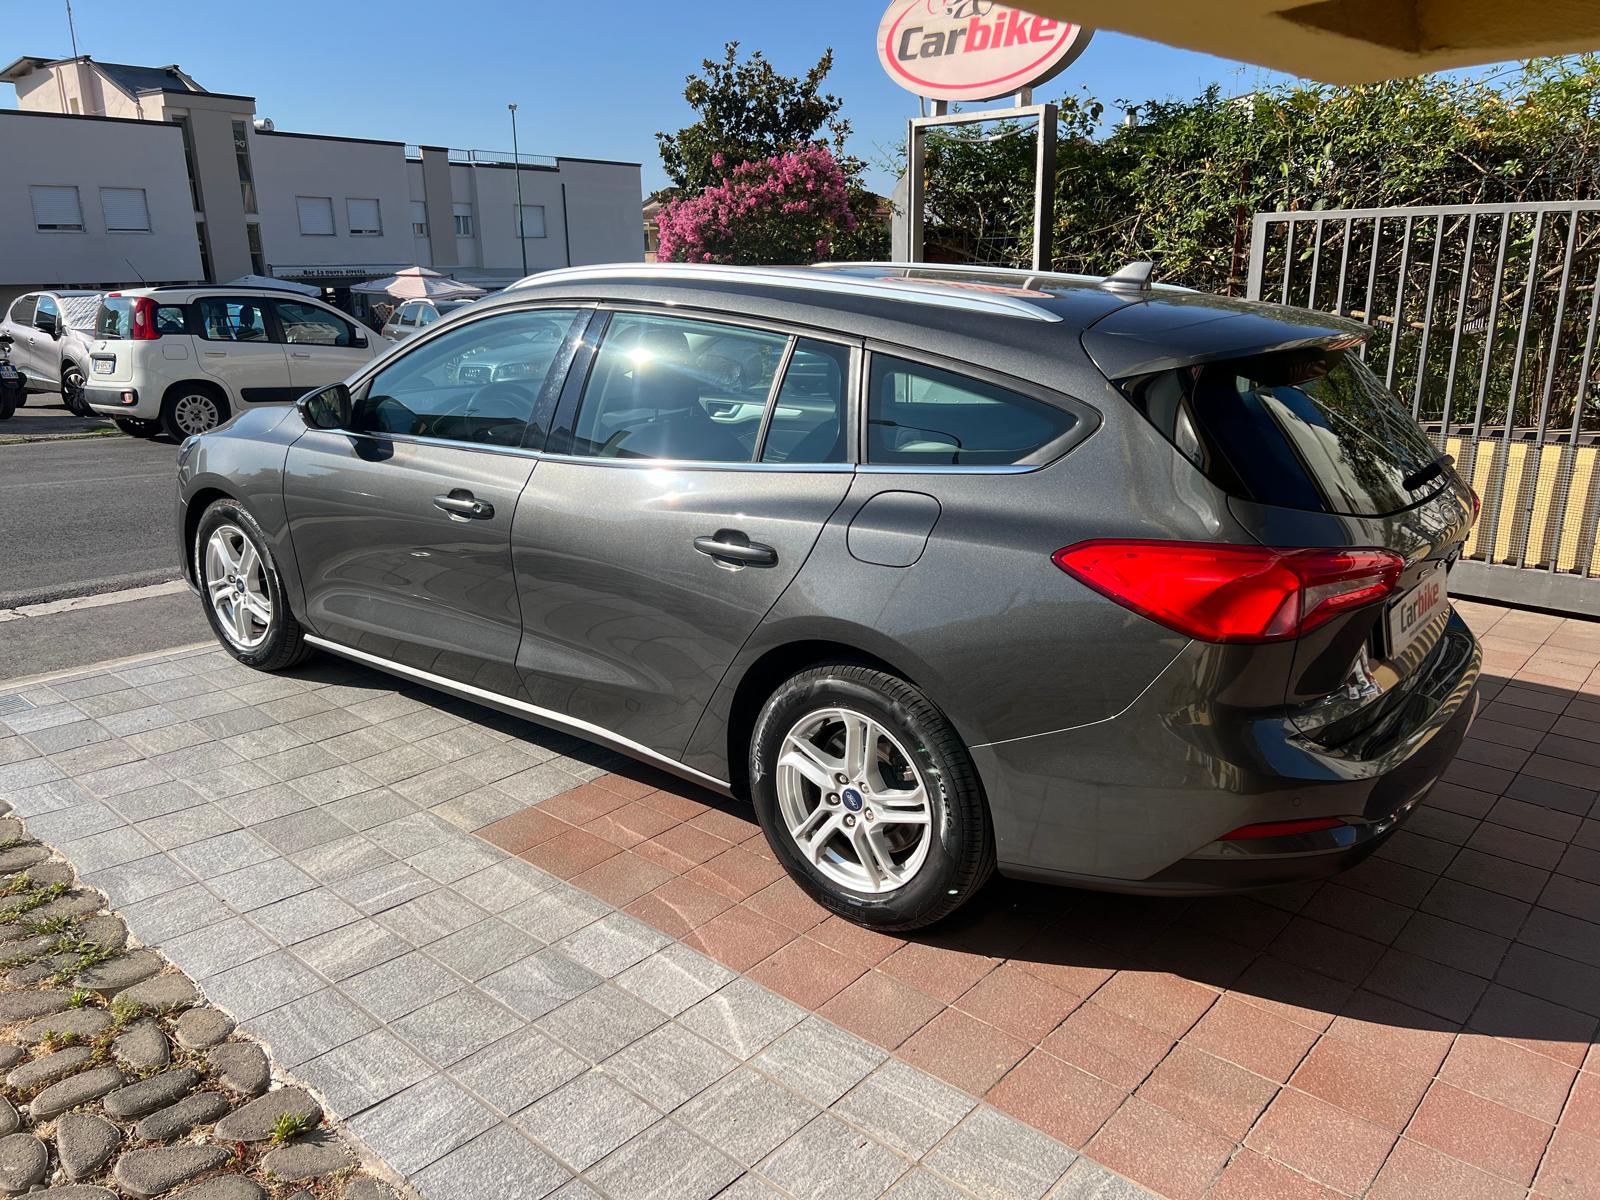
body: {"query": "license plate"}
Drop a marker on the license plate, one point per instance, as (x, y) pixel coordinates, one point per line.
(1410, 614)
(7, 371)
(104, 366)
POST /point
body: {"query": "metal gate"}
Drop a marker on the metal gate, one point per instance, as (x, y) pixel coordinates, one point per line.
(1485, 321)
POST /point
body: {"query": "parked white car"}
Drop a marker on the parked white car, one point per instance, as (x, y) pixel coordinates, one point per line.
(185, 360)
(412, 317)
(50, 333)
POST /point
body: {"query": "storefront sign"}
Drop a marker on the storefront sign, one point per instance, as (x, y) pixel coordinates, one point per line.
(973, 49)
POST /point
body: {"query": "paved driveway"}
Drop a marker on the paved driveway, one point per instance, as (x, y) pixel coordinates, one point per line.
(511, 960)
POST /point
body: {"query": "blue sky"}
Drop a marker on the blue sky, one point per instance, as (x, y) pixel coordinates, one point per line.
(596, 81)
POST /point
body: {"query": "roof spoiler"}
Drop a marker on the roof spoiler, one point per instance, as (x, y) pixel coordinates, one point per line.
(1135, 277)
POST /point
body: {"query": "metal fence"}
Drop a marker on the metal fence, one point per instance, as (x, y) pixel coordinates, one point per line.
(1485, 319)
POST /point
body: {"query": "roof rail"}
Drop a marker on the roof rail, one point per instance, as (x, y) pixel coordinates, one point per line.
(803, 279)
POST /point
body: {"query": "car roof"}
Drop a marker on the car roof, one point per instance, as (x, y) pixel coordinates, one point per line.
(217, 288)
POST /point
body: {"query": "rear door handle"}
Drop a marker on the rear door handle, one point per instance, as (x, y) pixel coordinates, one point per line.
(462, 503)
(299, 354)
(733, 546)
(215, 353)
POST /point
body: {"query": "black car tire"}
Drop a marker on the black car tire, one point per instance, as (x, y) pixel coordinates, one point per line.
(137, 426)
(72, 381)
(960, 857)
(285, 645)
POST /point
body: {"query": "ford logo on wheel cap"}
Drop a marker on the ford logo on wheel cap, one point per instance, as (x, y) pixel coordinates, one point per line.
(852, 799)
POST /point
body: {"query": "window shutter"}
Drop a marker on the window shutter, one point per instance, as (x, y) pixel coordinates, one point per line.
(316, 215)
(419, 215)
(461, 210)
(56, 208)
(533, 220)
(363, 216)
(126, 210)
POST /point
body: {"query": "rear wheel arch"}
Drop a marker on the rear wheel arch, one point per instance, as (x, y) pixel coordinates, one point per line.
(184, 387)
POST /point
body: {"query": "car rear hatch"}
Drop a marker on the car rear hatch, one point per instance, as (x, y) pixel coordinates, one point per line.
(1277, 409)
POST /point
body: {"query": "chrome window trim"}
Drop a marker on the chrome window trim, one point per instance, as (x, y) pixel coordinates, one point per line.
(694, 464)
(543, 715)
(949, 469)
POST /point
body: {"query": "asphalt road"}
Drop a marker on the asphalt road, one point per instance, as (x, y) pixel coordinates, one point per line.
(86, 517)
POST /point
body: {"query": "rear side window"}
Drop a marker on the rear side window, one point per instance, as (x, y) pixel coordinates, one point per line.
(114, 318)
(923, 416)
(22, 310)
(1307, 429)
(808, 419)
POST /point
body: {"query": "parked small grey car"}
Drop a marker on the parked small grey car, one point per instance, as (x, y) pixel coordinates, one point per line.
(946, 570)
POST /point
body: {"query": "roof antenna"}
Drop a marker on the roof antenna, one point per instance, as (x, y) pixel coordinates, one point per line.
(134, 269)
(72, 31)
(1135, 277)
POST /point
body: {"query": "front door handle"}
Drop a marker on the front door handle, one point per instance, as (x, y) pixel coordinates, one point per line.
(299, 354)
(463, 504)
(732, 546)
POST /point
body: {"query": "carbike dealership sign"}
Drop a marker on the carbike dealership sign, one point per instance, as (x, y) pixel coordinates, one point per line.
(973, 49)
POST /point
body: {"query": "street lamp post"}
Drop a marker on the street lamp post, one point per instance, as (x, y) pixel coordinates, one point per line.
(522, 241)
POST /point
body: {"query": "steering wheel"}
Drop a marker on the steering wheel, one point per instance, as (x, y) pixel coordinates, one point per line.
(513, 399)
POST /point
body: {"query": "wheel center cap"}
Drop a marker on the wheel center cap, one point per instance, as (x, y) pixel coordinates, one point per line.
(238, 585)
(852, 799)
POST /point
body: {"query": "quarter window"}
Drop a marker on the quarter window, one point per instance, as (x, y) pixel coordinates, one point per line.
(487, 381)
(920, 415)
(808, 418)
(308, 325)
(662, 387)
(223, 320)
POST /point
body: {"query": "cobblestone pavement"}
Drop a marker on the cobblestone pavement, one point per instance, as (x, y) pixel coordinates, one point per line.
(613, 980)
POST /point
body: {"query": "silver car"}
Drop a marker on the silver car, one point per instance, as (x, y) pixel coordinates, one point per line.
(412, 317)
(50, 332)
(947, 571)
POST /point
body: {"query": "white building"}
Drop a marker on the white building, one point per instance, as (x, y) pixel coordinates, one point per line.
(121, 174)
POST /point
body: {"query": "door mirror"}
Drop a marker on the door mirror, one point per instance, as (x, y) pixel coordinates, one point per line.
(326, 408)
(47, 323)
(359, 340)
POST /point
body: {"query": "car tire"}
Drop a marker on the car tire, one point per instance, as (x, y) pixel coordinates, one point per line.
(234, 566)
(72, 381)
(137, 427)
(192, 408)
(931, 869)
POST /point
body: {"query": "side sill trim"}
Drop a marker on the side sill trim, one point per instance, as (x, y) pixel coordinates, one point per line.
(544, 716)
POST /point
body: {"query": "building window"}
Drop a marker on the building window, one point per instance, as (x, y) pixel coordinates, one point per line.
(205, 250)
(188, 160)
(241, 154)
(463, 219)
(532, 221)
(419, 218)
(125, 209)
(316, 215)
(364, 217)
(258, 260)
(56, 209)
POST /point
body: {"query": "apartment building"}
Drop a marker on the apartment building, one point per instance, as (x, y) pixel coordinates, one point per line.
(122, 174)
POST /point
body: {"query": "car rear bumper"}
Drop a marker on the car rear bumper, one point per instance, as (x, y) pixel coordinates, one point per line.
(117, 400)
(1141, 802)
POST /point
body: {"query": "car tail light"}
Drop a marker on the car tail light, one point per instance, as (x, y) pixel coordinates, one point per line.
(1278, 829)
(1477, 504)
(143, 328)
(1229, 593)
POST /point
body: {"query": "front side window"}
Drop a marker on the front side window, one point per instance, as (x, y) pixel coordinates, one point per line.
(426, 315)
(47, 308)
(664, 387)
(316, 215)
(919, 415)
(225, 320)
(308, 325)
(488, 381)
(56, 209)
(364, 217)
(808, 418)
(126, 210)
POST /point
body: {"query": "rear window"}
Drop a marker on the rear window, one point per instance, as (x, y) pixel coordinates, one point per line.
(114, 320)
(1306, 429)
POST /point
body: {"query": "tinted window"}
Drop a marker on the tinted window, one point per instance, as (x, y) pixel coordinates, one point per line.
(22, 310)
(426, 315)
(662, 387)
(224, 320)
(482, 382)
(808, 420)
(114, 319)
(1308, 429)
(921, 415)
(308, 325)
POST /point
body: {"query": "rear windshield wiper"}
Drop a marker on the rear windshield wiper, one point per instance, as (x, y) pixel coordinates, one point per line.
(1425, 474)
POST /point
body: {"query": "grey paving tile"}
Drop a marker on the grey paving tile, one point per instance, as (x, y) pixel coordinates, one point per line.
(668, 1066)
(746, 1115)
(51, 796)
(435, 786)
(157, 800)
(390, 767)
(138, 880)
(109, 849)
(384, 887)
(420, 1125)
(264, 883)
(499, 762)
(263, 740)
(907, 1108)
(351, 949)
(1090, 1181)
(262, 985)
(665, 1162)
(192, 761)
(323, 727)
(167, 738)
(220, 855)
(310, 1026)
(600, 1022)
(15, 748)
(415, 833)
(456, 859)
(819, 1060)
(107, 703)
(96, 757)
(828, 1160)
(997, 1158)
(88, 685)
(227, 724)
(363, 810)
(475, 809)
(302, 830)
(555, 912)
(265, 803)
(153, 672)
(45, 716)
(295, 706)
(537, 784)
(920, 1184)
(135, 720)
(539, 984)
(387, 707)
(459, 743)
(515, 1071)
(333, 784)
(482, 949)
(181, 687)
(296, 761)
(192, 708)
(304, 915)
(112, 781)
(228, 782)
(583, 1121)
(742, 1018)
(360, 744)
(216, 948)
(460, 1024)
(187, 826)
(612, 944)
(68, 824)
(343, 859)
(426, 919)
(360, 1073)
(30, 772)
(500, 1163)
(502, 886)
(71, 736)
(401, 985)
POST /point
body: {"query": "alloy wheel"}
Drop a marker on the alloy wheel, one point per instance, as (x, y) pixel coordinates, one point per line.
(195, 413)
(235, 580)
(72, 388)
(854, 802)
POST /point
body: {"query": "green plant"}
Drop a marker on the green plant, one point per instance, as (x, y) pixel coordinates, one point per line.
(17, 884)
(80, 998)
(10, 843)
(291, 1125)
(125, 1011)
(56, 924)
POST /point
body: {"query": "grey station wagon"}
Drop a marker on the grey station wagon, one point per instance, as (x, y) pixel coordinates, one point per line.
(946, 570)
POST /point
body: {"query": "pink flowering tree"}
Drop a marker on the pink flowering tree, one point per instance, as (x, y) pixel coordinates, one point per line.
(790, 208)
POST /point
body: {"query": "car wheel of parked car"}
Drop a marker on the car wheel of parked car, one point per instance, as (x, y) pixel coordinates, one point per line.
(72, 390)
(134, 427)
(243, 596)
(192, 408)
(869, 798)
